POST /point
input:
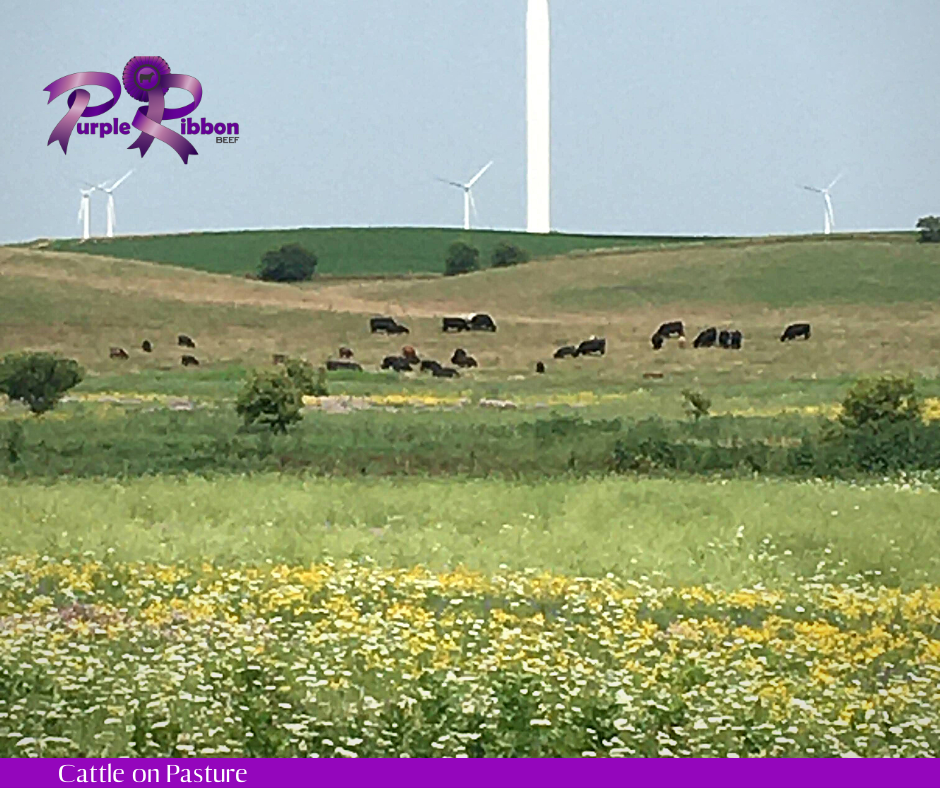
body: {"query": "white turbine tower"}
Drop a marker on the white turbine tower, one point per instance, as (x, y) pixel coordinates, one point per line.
(109, 191)
(538, 116)
(830, 221)
(84, 210)
(468, 195)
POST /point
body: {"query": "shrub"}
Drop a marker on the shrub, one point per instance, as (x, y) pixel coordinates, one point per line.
(696, 403)
(301, 372)
(290, 263)
(461, 259)
(506, 254)
(38, 380)
(929, 229)
(272, 399)
(880, 401)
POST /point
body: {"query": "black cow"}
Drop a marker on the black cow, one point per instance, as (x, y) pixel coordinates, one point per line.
(724, 339)
(445, 372)
(567, 350)
(675, 328)
(736, 339)
(794, 331)
(190, 361)
(657, 341)
(592, 346)
(429, 366)
(464, 361)
(118, 352)
(386, 324)
(146, 346)
(540, 367)
(706, 338)
(333, 365)
(482, 322)
(184, 341)
(397, 363)
(455, 324)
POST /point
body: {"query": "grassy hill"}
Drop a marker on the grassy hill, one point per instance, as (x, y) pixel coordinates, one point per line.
(342, 251)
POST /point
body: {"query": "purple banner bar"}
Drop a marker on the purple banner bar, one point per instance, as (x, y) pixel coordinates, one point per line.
(467, 773)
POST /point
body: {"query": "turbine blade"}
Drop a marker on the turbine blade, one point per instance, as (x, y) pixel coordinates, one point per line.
(452, 183)
(473, 205)
(835, 181)
(120, 181)
(479, 175)
(812, 189)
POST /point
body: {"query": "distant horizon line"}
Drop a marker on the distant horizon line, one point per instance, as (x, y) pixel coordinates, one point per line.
(516, 231)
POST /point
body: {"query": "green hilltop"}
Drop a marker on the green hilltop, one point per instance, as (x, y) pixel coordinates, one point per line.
(344, 251)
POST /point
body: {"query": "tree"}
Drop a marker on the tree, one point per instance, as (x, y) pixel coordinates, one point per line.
(301, 372)
(881, 400)
(290, 263)
(506, 254)
(929, 229)
(272, 399)
(461, 259)
(38, 380)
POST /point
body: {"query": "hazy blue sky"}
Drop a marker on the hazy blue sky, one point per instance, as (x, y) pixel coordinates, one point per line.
(696, 117)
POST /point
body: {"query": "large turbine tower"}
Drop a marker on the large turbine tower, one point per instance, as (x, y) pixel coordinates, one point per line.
(538, 116)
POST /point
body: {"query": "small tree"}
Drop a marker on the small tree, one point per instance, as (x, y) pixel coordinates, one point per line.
(38, 380)
(461, 259)
(884, 400)
(506, 254)
(696, 403)
(301, 372)
(290, 263)
(929, 229)
(270, 398)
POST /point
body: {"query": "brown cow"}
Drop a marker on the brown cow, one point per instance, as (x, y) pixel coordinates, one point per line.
(345, 352)
(279, 358)
(410, 353)
(118, 352)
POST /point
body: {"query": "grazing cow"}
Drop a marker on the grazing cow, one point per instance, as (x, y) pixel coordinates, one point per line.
(657, 341)
(736, 339)
(184, 341)
(794, 331)
(410, 353)
(118, 352)
(445, 372)
(482, 322)
(540, 367)
(455, 324)
(675, 328)
(724, 339)
(464, 361)
(333, 366)
(146, 346)
(397, 363)
(567, 350)
(706, 338)
(386, 324)
(459, 353)
(429, 365)
(345, 352)
(190, 361)
(279, 358)
(653, 375)
(592, 346)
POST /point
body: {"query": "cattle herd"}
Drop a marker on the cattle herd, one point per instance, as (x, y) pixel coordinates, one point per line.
(408, 359)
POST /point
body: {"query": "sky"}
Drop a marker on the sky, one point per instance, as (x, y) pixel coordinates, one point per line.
(684, 117)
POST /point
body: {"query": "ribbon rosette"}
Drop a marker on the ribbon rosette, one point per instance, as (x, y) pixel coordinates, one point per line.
(148, 79)
(78, 101)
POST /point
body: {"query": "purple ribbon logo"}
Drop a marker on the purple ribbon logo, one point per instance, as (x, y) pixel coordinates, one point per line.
(145, 79)
(148, 79)
(78, 101)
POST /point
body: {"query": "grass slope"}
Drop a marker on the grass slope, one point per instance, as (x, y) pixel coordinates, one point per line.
(341, 251)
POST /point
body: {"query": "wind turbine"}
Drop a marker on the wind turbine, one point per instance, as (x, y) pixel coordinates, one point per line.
(109, 191)
(84, 209)
(467, 195)
(830, 221)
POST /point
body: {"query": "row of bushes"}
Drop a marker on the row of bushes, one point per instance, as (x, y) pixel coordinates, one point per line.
(462, 258)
